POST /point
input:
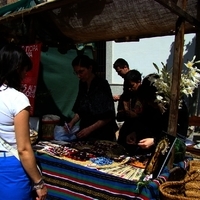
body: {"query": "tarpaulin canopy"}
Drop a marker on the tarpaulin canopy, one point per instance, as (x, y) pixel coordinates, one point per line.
(83, 21)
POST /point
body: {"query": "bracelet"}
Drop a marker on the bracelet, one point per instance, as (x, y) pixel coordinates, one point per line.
(38, 185)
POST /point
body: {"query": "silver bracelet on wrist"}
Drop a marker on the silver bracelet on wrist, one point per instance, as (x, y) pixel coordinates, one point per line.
(38, 185)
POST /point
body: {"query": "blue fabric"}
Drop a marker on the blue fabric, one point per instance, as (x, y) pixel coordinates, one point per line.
(61, 134)
(14, 182)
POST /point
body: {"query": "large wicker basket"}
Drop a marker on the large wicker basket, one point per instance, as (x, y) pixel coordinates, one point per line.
(194, 165)
(186, 189)
(174, 190)
(48, 124)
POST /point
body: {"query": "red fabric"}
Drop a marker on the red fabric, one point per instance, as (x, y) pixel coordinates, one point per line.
(30, 81)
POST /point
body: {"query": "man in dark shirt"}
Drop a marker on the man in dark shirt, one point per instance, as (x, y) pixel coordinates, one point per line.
(121, 66)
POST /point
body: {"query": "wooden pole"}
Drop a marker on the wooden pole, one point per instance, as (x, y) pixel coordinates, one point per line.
(176, 75)
(194, 101)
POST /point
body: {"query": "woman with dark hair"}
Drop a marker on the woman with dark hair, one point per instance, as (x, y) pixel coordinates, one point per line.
(148, 125)
(131, 106)
(94, 105)
(153, 119)
(15, 174)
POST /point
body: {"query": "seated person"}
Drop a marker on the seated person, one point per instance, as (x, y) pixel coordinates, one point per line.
(131, 107)
(128, 98)
(94, 106)
(152, 120)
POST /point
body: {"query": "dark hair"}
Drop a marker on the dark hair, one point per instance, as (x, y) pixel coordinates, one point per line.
(133, 75)
(13, 61)
(147, 91)
(120, 62)
(84, 61)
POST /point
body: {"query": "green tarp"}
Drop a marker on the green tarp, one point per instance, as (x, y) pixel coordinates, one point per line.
(57, 85)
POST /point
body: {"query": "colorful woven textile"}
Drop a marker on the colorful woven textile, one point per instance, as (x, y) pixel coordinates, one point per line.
(69, 181)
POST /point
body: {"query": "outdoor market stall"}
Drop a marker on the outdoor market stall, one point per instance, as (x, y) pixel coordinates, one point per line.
(81, 173)
(119, 24)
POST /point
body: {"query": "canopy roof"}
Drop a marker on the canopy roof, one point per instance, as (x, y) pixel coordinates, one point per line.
(83, 21)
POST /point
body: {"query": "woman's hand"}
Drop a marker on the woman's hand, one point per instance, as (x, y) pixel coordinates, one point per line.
(131, 138)
(131, 113)
(68, 127)
(146, 143)
(83, 133)
(41, 193)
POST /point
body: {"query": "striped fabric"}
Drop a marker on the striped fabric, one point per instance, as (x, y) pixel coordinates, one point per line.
(69, 181)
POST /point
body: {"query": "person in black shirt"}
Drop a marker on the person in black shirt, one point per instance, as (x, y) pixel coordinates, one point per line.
(121, 66)
(153, 120)
(133, 106)
(94, 105)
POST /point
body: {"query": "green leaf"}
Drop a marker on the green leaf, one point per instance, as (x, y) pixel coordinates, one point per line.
(157, 68)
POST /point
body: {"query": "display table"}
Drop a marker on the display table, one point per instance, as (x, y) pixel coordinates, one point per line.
(69, 181)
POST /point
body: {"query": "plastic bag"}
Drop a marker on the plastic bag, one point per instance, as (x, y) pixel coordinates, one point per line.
(61, 134)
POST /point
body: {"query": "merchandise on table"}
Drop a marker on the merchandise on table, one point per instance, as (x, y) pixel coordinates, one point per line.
(67, 180)
(125, 171)
(82, 152)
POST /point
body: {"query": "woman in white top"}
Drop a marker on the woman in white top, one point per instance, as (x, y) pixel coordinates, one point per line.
(16, 177)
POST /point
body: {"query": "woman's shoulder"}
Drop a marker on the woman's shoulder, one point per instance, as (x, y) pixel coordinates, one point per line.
(14, 100)
(14, 94)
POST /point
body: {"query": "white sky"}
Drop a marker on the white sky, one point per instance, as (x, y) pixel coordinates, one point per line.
(140, 55)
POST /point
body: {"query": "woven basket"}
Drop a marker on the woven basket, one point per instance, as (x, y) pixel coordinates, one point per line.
(48, 124)
(194, 165)
(186, 189)
(174, 190)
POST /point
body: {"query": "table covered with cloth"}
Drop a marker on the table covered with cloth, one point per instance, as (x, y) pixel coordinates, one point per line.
(68, 181)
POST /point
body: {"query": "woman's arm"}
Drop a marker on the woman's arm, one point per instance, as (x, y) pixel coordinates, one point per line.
(136, 110)
(98, 124)
(26, 155)
(131, 138)
(74, 120)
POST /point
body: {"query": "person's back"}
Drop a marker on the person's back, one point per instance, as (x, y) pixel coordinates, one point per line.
(121, 66)
(16, 171)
